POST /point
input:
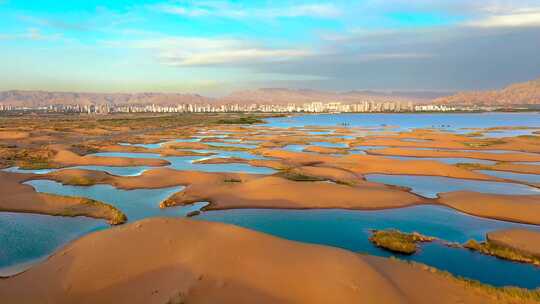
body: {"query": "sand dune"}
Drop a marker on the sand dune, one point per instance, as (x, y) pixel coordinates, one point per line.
(184, 261)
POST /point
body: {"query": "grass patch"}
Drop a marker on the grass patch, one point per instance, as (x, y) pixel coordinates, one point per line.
(299, 177)
(80, 181)
(90, 207)
(397, 241)
(30, 159)
(82, 149)
(486, 143)
(228, 148)
(533, 137)
(502, 252)
(232, 180)
(247, 120)
(472, 166)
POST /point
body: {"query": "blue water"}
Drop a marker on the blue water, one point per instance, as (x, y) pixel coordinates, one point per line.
(508, 133)
(357, 152)
(528, 163)
(469, 150)
(321, 132)
(522, 177)
(148, 146)
(446, 160)
(329, 144)
(188, 162)
(32, 171)
(183, 163)
(127, 154)
(136, 204)
(349, 229)
(415, 140)
(412, 121)
(119, 171)
(370, 147)
(30, 237)
(230, 144)
(430, 186)
(294, 148)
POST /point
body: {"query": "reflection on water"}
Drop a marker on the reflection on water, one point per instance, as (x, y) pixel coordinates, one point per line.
(430, 186)
(349, 229)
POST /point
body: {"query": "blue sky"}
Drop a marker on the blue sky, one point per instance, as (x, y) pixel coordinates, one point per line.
(214, 47)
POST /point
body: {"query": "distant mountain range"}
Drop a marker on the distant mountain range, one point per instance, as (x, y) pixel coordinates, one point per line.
(43, 98)
(285, 96)
(261, 96)
(525, 93)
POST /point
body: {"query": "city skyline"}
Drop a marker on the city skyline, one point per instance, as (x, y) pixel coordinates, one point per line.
(215, 47)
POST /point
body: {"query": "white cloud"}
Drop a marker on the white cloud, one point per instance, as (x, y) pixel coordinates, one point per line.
(518, 18)
(227, 10)
(194, 51)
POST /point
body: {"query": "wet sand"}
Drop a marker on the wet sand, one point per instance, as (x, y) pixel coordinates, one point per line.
(186, 261)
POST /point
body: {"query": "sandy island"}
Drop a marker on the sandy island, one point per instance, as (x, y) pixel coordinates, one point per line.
(522, 240)
(513, 208)
(17, 197)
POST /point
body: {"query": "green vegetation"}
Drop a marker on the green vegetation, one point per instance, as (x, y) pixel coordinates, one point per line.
(471, 166)
(193, 213)
(80, 181)
(485, 143)
(232, 180)
(474, 134)
(299, 177)
(397, 241)
(228, 148)
(534, 137)
(114, 215)
(246, 120)
(31, 159)
(177, 299)
(502, 252)
(83, 149)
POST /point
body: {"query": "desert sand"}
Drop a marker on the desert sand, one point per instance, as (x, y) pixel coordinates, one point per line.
(186, 261)
(523, 240)
(502, 157)
(513, 208)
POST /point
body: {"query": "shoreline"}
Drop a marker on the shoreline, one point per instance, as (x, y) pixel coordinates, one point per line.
(372, 276)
